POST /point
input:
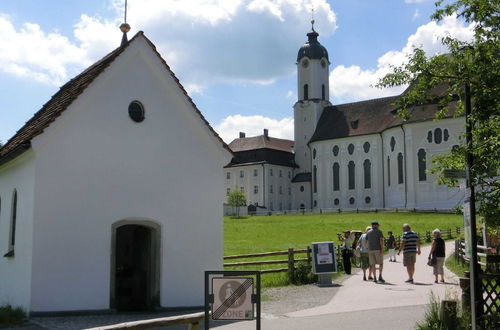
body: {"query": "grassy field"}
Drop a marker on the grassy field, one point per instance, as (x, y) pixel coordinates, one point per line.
(455, 266)
(279, 232)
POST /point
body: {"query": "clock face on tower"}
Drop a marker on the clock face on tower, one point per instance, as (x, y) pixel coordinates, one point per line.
(305, 63)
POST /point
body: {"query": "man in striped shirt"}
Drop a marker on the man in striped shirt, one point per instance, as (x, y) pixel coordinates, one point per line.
(410, 245)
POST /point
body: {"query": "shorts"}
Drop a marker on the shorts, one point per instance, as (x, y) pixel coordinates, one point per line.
(376, 257)
(365, 260)
(409, 258)
(438, 267)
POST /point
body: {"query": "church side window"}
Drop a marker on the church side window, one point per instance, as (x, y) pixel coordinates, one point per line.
(335, 151)
(323, 96)
(13, 220)
(438, 135)
(228, 190)
(351, 171)
(270, 172)
(228, 175)
(255, 189)
(314, 153)
(242, 174)
(446, 134)
(315, 178)
(336, 177)
(306, 92)
(429, 136)
(400, 168)
(255, 172)
(422, 165)
(366, 147)
(393, 143)
(388, 171)
(367, 167)
(350, 148)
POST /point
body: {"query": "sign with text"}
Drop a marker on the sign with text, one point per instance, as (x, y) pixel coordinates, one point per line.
(232, 298)
(323, 257)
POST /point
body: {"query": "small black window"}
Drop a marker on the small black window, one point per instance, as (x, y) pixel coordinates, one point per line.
(306, 92)
(13, 221)
(429, 136)
(438, 135)
(315, 203)
(351, 173)
(367, 167)
(351, 200)
(368, 199)
(400, 168)
(446, 135)
(270, 172)
(323, 95)
(393, 143)
(255, 172)
(301, 188)
(228, 175)
(336, 201)
(422, 165)
(366, 147)
(350, 148)
(315, 179)
(314, 153)
(255, 189)
(136, 111)
(336, 177)
(335, 151)
(388, 171)
(242, 174)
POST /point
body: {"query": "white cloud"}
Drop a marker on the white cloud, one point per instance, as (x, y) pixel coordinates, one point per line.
(354, 83)
(230, 127)
(416, 14)
(204, 41)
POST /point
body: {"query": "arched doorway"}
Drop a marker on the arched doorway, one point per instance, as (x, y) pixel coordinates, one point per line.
(135, 267)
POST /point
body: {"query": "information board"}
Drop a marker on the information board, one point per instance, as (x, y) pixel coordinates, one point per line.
(467, 228)
(323, 258)
(232, 298)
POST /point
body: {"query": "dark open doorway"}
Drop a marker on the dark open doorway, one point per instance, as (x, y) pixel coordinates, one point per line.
(133, 268)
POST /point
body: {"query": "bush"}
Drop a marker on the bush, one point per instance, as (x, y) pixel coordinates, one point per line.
(9, 315)
(304, 274)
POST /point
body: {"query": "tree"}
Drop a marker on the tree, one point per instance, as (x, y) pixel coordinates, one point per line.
(236, 199)
(473, 65)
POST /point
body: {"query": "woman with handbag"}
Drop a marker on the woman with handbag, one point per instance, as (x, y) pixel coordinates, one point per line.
(437, 255)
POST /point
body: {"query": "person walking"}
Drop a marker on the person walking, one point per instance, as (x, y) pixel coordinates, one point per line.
(375, 244)
(438, 252)
(363, 251)
(347, 242)
(410, 245)
(391, 246)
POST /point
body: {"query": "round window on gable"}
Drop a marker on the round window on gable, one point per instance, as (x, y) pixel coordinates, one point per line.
(350, 148)
(335, 151)
(136, 111)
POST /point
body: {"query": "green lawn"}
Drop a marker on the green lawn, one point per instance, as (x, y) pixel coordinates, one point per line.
(279, 232)
(457, 267)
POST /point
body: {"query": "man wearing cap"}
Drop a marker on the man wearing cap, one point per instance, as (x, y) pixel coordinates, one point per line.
(375, 245)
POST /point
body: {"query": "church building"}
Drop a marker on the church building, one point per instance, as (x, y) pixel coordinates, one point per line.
(359, 155)
(104, 202)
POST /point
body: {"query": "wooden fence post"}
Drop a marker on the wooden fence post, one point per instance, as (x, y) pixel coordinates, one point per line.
(449, 314)
(291, 266)
(465, 286)
(309, 260)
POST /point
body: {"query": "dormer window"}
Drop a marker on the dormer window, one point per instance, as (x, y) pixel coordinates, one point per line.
(354, 124)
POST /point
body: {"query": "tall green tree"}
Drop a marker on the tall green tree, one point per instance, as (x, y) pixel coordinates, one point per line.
(237, 199)
(442, 78)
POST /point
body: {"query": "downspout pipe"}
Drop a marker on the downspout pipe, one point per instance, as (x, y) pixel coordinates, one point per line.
(404, 166)
(264, 186)
(383, 170)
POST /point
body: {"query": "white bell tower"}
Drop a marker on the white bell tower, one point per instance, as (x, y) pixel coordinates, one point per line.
(313, 96)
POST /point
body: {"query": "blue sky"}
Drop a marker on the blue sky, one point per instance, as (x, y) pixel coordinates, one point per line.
(235, 57)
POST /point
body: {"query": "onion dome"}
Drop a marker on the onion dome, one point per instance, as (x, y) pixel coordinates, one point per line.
(312, 48)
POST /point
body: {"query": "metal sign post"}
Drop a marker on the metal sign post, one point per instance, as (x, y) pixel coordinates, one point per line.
(230, 296)
(324, 262)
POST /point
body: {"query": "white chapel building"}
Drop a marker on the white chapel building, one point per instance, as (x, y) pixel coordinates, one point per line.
(353, 156)
(108, 195)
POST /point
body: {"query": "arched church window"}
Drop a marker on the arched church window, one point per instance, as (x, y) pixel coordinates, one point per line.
(422, 165)
(368, 199)
(350, 148)
(336, 201)
(315, 179)
(323, 94)
(351, 200)
(438, 135)
(400, 168)
(306, 92)
(446, 134)
(366, 147)
(301, 188)
(351, 172)
(335, 151)
(367, 167)
(314, 153)
(429, 136)
(393, 143)
(388, 171)
(336, 177)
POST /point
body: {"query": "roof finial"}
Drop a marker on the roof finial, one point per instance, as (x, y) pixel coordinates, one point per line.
(125, 27)
(312, 16)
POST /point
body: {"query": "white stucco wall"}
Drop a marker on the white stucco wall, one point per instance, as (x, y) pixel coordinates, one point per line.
(95, 166)
(15, 272)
